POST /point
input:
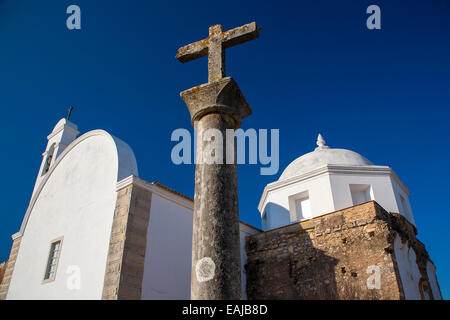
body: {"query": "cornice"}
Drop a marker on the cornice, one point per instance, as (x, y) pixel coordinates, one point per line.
(331, 169)
(16, 235)
(168, 194)
(158, 189)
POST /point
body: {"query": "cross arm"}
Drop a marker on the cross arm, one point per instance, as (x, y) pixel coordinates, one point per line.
(241, 34)
(192, 51)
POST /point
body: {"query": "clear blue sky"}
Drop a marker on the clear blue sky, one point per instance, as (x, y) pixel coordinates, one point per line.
(315, 68)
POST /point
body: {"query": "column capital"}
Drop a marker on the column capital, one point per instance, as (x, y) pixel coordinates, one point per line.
(220, 96)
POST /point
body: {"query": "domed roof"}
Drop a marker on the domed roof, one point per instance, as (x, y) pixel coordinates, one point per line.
(321, 156)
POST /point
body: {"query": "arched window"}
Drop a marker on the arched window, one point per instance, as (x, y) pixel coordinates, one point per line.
(48, 160)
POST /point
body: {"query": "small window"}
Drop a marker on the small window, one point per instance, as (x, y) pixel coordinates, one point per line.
(360, 193)
(53, 258)
(300, 207)
(303, 207)
(48, 160)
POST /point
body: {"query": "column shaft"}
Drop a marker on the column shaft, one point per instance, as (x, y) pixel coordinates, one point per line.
(216, 263)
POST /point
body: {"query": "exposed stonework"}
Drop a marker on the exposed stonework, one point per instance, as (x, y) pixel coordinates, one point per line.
(4, 284)
(125, 262)
(2, 270)
(329, 257)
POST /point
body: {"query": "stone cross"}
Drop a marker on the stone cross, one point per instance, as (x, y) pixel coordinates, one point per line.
(216, 106)
(214, 46)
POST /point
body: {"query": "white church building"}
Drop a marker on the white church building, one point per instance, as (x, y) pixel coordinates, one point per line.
(65, 234)
(94, 230)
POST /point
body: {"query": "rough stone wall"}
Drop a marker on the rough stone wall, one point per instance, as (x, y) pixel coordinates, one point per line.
(4, 284)
(2, 270)
(331, 256)
(125, 262)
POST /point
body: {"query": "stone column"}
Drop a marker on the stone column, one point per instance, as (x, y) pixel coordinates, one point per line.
(216, 265)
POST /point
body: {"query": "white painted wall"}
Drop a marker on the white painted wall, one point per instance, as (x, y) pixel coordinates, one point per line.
(275, 216)
(381, 186)
(409, 271)
(167, 268)
(404, 210)
(431, 272)
(280, 202)
(76, 201)
(329, 190)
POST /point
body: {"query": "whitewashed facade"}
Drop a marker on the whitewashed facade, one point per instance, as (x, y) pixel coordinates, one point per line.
(73, 202)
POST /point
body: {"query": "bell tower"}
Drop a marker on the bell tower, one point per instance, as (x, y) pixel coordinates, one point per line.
(61, 136)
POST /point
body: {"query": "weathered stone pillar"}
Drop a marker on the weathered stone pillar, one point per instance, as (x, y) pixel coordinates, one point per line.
(218, 105)
(216, 265)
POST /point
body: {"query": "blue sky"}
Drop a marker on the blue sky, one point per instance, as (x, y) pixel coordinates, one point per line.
(315, 68)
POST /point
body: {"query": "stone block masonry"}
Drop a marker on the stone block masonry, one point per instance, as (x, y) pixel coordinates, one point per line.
(9, 268)
(331, 256)
(125, 262)
(2, 270)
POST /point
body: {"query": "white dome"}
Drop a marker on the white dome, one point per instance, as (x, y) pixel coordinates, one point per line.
(321, 156)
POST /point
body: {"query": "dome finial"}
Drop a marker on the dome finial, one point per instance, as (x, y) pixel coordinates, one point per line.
(321, 144)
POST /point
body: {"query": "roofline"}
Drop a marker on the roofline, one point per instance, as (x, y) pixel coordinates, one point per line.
(330, 168)
(167, 193)
(158, 189)
(321, 216)
(172, 190)
(250, 226)
(116, 142)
